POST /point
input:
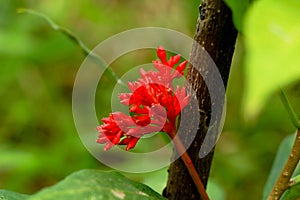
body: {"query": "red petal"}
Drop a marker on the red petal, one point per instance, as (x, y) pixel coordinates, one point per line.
(124, 98)
(181, 67)
(126, 140)
(132, 143)
(102, 140)
(117, 137)
(108, 146)
(161, 53)
(173, 60)
(153, 90)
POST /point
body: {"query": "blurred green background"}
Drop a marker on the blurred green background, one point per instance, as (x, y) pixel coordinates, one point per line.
(38, 141)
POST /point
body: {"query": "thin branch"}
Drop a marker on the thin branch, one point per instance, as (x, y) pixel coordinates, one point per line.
(292, 114)
(73, 38)
(189, 165)
(283, 181)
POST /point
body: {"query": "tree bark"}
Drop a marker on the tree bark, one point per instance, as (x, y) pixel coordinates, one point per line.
(216, 34)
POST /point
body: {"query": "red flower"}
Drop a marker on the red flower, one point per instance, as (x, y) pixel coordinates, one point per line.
(153, 104)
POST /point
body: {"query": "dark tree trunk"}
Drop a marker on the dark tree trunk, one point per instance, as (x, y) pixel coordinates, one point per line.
(216, 34)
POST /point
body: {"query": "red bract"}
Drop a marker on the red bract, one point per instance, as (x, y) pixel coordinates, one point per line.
(154, 105)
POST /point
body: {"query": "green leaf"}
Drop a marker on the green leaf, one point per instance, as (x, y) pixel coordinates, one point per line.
(72, 37)
(215, 191)
(272, 30)
(279, 162)
(92, 184)
(156, 180)
(8, 195)
(14, 158)
(292, 193)
(238, 9)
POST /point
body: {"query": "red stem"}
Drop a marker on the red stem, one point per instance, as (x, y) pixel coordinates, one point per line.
(189, 165)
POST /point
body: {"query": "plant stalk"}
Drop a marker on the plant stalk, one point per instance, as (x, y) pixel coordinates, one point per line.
(189, 165)
(75, 39)
(283, 181)
(289, 108)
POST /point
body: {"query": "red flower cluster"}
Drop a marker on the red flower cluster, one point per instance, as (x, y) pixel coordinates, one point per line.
(153, 105)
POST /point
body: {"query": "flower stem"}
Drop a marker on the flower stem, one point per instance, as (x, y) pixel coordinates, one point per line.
(189, 165)
(289, 108)
(283, 181)
(75, 39)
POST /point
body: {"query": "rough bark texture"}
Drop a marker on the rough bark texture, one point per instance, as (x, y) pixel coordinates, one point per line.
(216, 34)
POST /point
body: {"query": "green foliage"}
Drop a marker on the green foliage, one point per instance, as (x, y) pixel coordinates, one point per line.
(91, 184)
(272, 30)
(239, 9)
(292, 193)
(8, 195)
(215, 191)
(38, 66)
(156, 180)
(280, 159)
